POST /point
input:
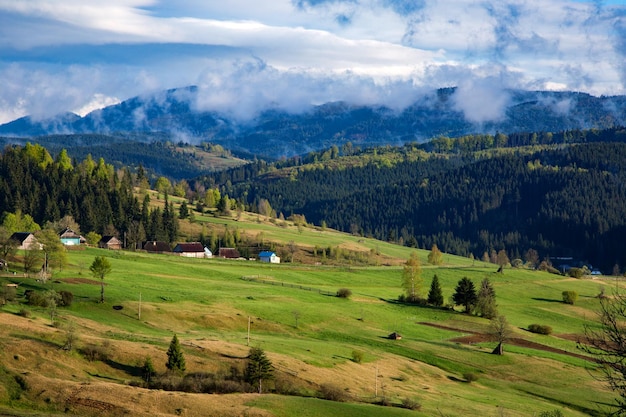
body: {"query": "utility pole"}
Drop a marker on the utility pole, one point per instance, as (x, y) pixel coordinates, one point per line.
(248, 344)
(139, 306)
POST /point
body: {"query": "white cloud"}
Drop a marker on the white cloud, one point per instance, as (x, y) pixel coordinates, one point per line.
(292, 53)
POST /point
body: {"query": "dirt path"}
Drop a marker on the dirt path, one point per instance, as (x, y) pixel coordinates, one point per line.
(475, 337)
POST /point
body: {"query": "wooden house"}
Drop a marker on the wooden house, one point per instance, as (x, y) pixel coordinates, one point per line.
(228, 253)
(110, 242)
(156, 246)
(25, 240)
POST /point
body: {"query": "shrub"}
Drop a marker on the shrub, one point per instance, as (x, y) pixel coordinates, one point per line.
(24, 312)
(357, 356)
(570, 297)
(333, 393)
(540, 329)
(411, 404)
(344, 293)
(470, 377)
(552, 413)
(66, 298)
(95, 353)
(36, 299)
(576, 272)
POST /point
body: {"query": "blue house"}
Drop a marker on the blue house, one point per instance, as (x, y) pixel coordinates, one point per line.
(69, 237)
(269, 257)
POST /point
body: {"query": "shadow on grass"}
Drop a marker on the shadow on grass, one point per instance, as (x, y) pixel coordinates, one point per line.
(36, 339)
(129, 369)
(549, 300)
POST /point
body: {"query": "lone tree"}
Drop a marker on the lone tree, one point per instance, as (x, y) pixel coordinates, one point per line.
(175, 358)
(100, 268)
(486, 300)
(411, 277)
(465, 294)
(435, 257)
(259, 368)
(435, 296)
(500, 331)
(608, 346)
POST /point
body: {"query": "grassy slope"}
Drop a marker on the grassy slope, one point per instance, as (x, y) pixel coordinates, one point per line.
(208, 304)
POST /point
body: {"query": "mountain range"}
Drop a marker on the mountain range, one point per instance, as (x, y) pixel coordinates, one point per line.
(177, 114)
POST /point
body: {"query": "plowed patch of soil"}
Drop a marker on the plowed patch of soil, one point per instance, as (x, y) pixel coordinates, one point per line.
(81, 281)
(475, 337)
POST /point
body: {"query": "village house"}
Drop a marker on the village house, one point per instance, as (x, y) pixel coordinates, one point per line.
(269, 257)
(110, 242)
(228, 253)
(25, 240)
(192, 250)
(156, 246)
(69, 237)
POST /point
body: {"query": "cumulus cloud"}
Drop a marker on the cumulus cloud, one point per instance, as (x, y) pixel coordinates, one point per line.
(246, 56)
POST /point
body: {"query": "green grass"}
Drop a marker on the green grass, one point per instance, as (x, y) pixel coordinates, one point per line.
(202, 299)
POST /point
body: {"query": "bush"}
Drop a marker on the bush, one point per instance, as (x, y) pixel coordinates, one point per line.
(24, 312)
(95, 353)
(411, 404)
(357, 356)
(333, 393)
(470, 377)
(36, 299)
(344, 293)
(540, 329)
(66, 298)
(570, 297)
(576, 272)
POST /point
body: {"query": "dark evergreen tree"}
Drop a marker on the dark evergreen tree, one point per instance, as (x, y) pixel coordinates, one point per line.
(259, 368)
(465, 294)
(175, 357)
(183, 210)
(435, 295)
(147, 370)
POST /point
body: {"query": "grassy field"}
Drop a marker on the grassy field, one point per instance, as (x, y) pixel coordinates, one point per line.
(310, 337)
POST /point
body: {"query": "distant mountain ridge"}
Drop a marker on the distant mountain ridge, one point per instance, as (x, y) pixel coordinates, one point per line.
(276, 133)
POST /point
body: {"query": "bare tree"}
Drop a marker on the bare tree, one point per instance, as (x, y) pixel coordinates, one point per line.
(608, 346)
(500, 331)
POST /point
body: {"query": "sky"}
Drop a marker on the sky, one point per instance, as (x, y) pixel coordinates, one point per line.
(248, 55)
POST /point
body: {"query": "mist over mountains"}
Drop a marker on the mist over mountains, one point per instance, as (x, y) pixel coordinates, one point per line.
(273, 133)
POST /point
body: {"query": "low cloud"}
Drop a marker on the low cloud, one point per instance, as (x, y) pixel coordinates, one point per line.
(482, 100)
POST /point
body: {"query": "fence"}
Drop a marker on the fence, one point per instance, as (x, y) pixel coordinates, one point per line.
(262, 280)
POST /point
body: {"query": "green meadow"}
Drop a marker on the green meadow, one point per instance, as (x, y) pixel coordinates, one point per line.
(311, 335)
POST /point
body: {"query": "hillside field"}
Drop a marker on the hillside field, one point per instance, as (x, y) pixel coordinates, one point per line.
(309, 334)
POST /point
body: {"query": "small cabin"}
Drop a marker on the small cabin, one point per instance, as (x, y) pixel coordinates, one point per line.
(269, 257)
(228, 253)
(110, 242)
(25, 240)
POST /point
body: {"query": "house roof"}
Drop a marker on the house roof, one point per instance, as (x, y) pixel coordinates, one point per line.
(266, 254)
(189, 247)
(228, 253)
(69, 234)
(20, 236)
(107, 239)
(156, 246)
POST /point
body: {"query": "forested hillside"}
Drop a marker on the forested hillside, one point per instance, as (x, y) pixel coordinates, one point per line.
(97, 197)
(561, 195)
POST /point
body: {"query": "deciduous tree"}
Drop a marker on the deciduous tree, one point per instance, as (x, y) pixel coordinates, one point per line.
(100, 268)
(500, 331)
(608, 346)
(411, 277)
(435, 257)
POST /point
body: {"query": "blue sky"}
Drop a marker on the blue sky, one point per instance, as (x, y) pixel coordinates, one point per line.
(247, 55)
